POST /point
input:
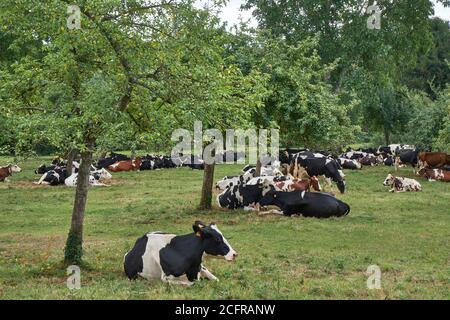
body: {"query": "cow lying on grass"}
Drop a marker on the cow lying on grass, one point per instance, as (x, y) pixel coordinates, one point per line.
(435, 174)
(95, 178)
(173, 258)
(401, 184)
(7, 171)
(307, 204)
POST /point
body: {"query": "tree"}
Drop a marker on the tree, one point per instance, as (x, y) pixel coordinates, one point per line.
(300, 103)
(148, 66)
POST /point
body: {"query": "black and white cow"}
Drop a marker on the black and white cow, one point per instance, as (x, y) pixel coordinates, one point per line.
(173, 258)
(229, 181)
(406, 157)
(307, 204)
(54, 177)
(325, 166)
(95, 178)
(349, 164)
(243, 195)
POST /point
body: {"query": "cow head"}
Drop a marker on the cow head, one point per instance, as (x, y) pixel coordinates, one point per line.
(389, 180)
(341, 186)
(13, 168)
(214, 242)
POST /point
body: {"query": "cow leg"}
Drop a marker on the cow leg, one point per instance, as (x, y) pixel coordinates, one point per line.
(175, 280)
(41, 180)
(7, 180)
(273, 211)
(397, 163)
(207, 274)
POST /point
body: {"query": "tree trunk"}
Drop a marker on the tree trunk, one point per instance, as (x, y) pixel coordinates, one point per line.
(208, 181)
(258, 168)
(386, 136)
(73, 251)
(70, 158)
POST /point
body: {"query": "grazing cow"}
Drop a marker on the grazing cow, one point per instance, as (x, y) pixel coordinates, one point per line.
(435, 174)
(349, 164)
(7, 171)
(95, 178)
(243, 195)
(433, 159)
(126, 165)
(173, 258)
(307, 204)
(53, 177)
(327, 167)
(401, 184)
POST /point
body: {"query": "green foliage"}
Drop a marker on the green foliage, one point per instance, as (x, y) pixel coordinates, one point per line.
(442, 141)
(300, 101)
(432, 72)
(427, 119)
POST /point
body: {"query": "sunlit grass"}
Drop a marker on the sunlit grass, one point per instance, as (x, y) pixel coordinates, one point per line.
(407, 235)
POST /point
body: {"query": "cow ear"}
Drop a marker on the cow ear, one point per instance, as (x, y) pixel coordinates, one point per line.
(198, 226)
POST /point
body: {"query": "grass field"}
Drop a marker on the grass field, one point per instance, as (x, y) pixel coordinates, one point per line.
(406, 235)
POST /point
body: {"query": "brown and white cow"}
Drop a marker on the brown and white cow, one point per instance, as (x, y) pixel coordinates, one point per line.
(299, 184)
(435, 174)
(126, 165)
(5, 172)
(401, 184)
(433, 159)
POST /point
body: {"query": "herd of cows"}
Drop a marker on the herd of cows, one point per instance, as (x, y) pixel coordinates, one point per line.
(290, 182)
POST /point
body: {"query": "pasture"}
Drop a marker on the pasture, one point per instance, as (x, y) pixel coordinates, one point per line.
(407, 235)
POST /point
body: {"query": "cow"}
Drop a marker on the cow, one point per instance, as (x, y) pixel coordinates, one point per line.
(349, 164)
(53, 177)
(406, 157)
(307, 204)
(389, 160)
(177, 259)
(433, 159)
(269, 170)
(243, 195)
(95, 178)
(371, 160)
(126, 165)
(321, 166)
(229, 181)
(401, 184)
(112, 159)
(7, 171)
(435, 174)
(299, 185)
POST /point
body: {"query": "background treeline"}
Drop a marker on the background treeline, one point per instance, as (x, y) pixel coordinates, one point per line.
(311, 68)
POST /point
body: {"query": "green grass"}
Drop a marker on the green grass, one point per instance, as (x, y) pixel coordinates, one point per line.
(406, 235)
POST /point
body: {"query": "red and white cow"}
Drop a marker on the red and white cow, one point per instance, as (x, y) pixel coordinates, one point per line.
(401, 184)
(5, 172)
(435, 174)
